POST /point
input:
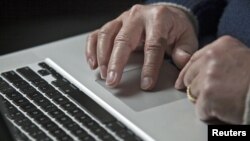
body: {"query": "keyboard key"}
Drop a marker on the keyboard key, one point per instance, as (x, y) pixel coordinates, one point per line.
(87, 138)
(71, 126)
(20, 83)
(28, 107)
(75, 111)
(36, 133)
(51, 70)
(39, 82)
(44, 65)
(6, 89)
(49, 107)
(65, 138)
(79, 132)
(21, 101)
(53, 94)
(46, 88)
(34, 95)
(60, 82)
(35, 113)
(44, 138)
(68, 89)
(50, 126)
(21, 121)
(42, 101)
(3, 84)
(43, 72)
(58, 132)
(83, 118)
(28, 89)
(115, 126)
(15, 115)
(68, 106)
(92, 125)
(107, 137)
(64, 119)
(9, 107)
(14, 95)
(126, 135)
(28, 73)
(61, 100)
(99, 131)
(42, 119)
(56, 113)
(29, 126)
(95, 109)
(11, 76)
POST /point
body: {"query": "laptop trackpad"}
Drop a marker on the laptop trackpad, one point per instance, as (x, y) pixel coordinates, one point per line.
(130, 93)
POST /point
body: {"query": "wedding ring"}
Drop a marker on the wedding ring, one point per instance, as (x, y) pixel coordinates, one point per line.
(191, 97)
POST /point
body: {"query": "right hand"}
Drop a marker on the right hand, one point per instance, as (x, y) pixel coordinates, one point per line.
(159, 28)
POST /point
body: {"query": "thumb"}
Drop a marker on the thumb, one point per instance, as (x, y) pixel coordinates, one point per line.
(184, 49)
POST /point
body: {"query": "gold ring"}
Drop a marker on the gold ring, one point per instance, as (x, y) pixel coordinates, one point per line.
(191, 97)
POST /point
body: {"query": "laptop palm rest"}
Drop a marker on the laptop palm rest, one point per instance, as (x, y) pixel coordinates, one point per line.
(129, 92)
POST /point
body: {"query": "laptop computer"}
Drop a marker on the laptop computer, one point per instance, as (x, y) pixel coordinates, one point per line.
(50, 93)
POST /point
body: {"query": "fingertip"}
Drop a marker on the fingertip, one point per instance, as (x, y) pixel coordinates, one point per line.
(112, 78)
(103, 71)
(146, 83)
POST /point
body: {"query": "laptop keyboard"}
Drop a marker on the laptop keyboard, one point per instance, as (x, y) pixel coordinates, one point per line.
(56, 110)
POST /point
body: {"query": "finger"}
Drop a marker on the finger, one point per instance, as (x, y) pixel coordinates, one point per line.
(195, 86)
(125, 42)
(184, 48)
(179, 84)
(90, 51)
(105, 42)
(154, 49)
(203, 107)
(193, 71)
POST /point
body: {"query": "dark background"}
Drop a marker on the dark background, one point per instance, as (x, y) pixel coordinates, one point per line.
(27, 23)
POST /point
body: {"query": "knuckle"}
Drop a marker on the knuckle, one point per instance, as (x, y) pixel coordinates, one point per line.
(226, 38)
(211, 72)
(135, 9)
(122, 40)
(155, 44)
(103, 33)
(211, 54)
(150, 68)
(207, 90)
(91, 36)
(159, 11)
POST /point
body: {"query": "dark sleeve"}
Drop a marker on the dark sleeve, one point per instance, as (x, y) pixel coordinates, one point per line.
(187, 3)
(235, 21)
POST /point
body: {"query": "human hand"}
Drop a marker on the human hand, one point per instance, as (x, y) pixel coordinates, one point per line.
(163, 28)
(219, 77)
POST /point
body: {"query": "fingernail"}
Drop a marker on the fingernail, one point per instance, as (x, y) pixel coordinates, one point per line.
(111, 78)
(103, 71)
(146, 82)
(91, 63)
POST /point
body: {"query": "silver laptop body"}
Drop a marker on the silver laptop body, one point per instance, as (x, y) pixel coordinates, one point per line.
(162, 115)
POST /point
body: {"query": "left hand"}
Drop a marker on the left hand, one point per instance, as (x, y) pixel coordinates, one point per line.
(219, 77)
